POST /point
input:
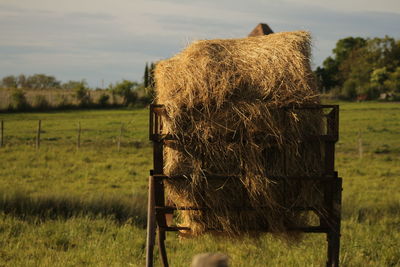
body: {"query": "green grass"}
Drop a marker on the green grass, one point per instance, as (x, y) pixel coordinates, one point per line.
(100, 128)
(59, 167)
(60, 206)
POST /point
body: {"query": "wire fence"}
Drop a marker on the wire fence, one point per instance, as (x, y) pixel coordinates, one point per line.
(80, 134)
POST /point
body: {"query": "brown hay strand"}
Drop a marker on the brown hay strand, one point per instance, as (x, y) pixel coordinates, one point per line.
(224, 101)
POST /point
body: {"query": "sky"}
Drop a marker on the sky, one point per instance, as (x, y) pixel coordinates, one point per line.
(106, 41)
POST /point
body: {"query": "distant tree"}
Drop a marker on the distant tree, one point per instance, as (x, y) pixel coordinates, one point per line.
(393, 82)
(21, 81)
(82, 93)
(347, 45)
(350, 88)
(384, 52)
(63, 101)
(71, 85)
(18, 100)
(361, 66)
(151, 75)
(126, 89)
(333, 72)
(147, 93)
(40, 102)
(146, 76)
(42, 81)
(379, 76)
(9, 81)
(103, 99)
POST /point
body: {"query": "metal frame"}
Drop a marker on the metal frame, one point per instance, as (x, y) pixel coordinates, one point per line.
(158, 209)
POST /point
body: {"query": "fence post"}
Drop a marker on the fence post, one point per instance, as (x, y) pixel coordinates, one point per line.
(2, 134)
(360, 145)
(120, 137)
(78, 141)
(38, 134)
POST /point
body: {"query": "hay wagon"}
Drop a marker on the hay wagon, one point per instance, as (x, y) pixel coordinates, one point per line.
(160, 210)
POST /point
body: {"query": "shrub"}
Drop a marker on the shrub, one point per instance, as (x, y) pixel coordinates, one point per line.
(349, 89)
(145, 95)
(372, 91)
(63, 102)
(82, 95)
(103, 99)
(126, 89)
(18, 100)
(40, 102)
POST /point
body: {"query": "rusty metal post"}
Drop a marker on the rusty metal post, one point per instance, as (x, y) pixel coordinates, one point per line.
(161, 247)
(151, 224)
(156, 190)
(332, 194)
(333, 236)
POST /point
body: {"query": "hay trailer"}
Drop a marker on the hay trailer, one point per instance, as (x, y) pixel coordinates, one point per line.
(160, 209)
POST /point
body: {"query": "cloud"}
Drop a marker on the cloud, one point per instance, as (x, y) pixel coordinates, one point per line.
(389, 6)
(113, 40)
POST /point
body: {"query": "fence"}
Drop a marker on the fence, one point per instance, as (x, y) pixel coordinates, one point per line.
(36, 133)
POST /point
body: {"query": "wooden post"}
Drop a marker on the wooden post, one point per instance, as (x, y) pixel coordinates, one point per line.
(120, 137)
(78, 140)
(2, 133)
(360, 145)
(38, 134)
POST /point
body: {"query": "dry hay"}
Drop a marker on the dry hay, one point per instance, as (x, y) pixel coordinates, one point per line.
(224, 101)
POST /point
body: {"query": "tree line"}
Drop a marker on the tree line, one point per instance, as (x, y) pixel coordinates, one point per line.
(36, 81)
(131, 92)
(362, 69)
(359, 69)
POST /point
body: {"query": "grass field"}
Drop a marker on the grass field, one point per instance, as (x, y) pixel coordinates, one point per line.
(63, 206)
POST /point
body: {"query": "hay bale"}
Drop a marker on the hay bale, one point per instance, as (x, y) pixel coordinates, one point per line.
(224, 102)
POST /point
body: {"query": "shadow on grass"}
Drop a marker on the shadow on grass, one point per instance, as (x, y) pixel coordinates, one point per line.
(122, 210)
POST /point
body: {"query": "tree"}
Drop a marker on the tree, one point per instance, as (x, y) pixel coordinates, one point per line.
(151, 75)
(146, 76)
(379, 76)
(147, 93)
(327, 74)
(103, 99)
(393, 82)
(42, 81)
(82, 93)
(345, 46)
(332, 74)
(18, 100)
(384, 52)
(71, 85)
(362, 67)
(21, 81)
(350, 88)
(126, 89)
(9, 81)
